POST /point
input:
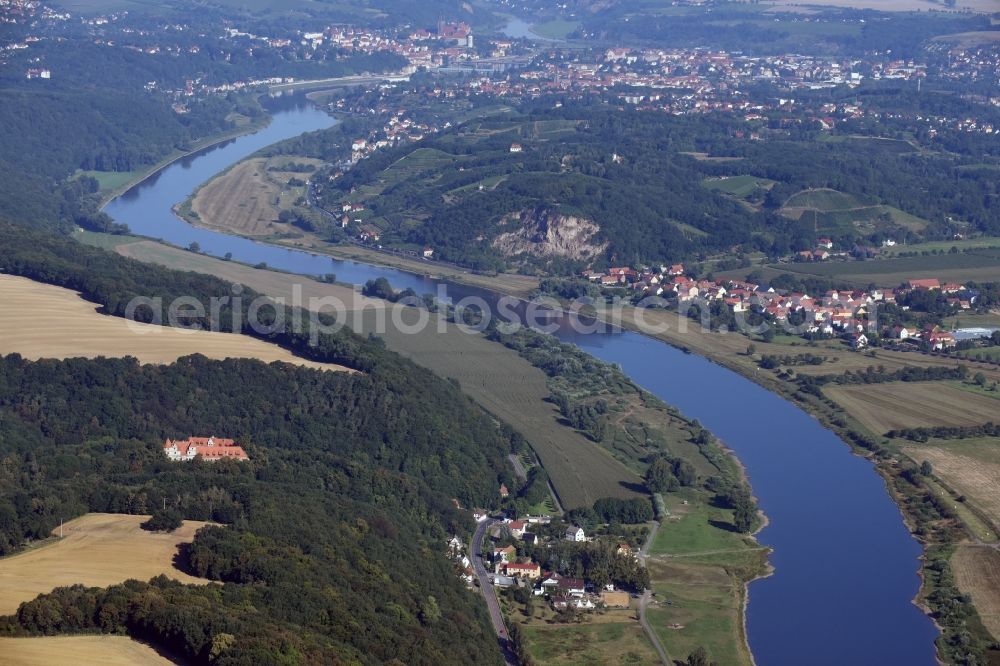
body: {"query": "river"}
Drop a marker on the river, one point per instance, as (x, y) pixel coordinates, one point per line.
(845, 565)
(521, 29)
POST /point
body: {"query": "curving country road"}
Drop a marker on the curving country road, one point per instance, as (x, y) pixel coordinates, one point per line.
(488, 591)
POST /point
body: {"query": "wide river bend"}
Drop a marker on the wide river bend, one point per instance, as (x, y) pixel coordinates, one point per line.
(845, 565)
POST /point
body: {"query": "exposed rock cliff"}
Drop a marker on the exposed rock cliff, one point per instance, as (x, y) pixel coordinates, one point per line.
(540, 232)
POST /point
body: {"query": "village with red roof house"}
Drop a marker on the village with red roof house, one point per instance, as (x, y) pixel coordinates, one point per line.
(835, 313)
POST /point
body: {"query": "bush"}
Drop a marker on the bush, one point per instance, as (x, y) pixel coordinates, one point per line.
(165, 520)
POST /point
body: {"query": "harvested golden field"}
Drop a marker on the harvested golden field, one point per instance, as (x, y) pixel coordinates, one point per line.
(247, 198)
(98, 549)
(79, 651)
(977, 573)
(43, 321)
(970, 467)
(242, 200)
(884, 407)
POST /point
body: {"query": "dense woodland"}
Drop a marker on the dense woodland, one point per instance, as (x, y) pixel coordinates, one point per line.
(46, 136)
(287, 14)
(337, 524)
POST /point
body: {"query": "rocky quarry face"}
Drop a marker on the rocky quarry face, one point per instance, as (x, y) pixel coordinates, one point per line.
(540, 232)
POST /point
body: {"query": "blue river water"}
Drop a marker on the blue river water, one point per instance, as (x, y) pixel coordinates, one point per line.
(845, 565)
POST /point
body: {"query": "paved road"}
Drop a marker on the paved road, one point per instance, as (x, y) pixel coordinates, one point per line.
(644, 600)
(489, 592)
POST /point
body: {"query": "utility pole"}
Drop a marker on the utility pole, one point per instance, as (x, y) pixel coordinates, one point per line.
(60, 528)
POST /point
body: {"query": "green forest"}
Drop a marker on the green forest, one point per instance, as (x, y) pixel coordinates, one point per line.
(335, 530)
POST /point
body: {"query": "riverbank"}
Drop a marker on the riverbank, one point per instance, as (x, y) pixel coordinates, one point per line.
(503, 284)
(938, 531)
(731, 352)
(144, 174)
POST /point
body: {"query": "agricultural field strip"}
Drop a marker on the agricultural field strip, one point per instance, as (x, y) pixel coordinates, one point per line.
(884, 407)
(247, 198)
(976, 478)
(513, 390)
(590, 644)
(977, 573)
(241, 199)
(979, 265)
(79, 651)
(45, 321)
(269, 282)
(98, 549)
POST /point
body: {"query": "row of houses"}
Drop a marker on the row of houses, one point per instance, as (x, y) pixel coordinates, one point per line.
(625, 276)
(457, 552)
(562, 592)
(836, 312)
(520, 529)
(935, 337)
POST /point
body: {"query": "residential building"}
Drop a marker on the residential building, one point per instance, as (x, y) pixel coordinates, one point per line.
(531, 571)
(206, 448)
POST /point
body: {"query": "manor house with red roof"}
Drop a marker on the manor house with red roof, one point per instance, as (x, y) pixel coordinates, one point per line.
(206, 448)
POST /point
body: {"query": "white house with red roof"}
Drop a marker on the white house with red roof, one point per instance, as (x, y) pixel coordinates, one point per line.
(517, 528)
(206, 448)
